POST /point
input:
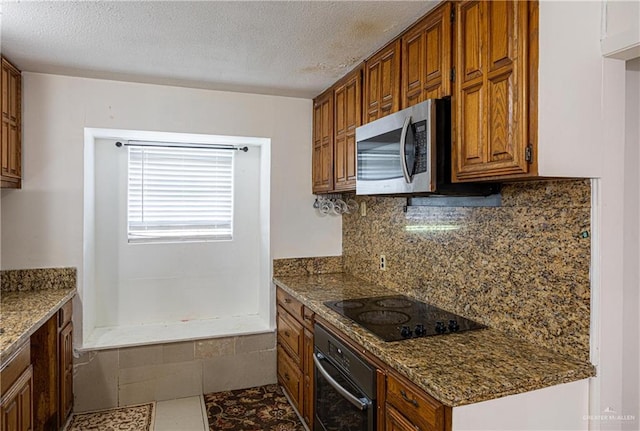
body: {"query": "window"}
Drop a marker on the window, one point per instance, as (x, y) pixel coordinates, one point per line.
(179, 194)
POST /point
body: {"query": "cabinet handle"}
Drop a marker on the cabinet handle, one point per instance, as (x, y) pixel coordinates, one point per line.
(407, 399)
(286, 376)
(286, 334)
(287, 300)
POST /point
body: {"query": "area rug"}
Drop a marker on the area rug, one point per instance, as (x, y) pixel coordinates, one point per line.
(131, 418)
(264, 408)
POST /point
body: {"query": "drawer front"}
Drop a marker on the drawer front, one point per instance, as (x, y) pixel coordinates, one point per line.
(291, 335)
(15, 366)
(290, 377)
(65, 314)
(421, 409)
(289, 303)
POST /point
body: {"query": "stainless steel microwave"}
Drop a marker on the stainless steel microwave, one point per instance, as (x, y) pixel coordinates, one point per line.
(396, 154)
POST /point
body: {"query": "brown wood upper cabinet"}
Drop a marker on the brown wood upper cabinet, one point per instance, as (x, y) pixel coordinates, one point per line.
(348, 116)
(322, 169)
(426, 58)
(11, 134)
(382, 82)
(491, 94)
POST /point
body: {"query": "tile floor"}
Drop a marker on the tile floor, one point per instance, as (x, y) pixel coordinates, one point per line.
(183, 414)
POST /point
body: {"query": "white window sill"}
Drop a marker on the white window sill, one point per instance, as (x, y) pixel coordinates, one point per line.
(138, 335)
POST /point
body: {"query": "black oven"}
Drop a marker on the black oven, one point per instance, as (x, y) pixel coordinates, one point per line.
(345, 386)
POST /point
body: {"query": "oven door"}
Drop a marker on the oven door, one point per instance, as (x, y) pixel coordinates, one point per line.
(339, 404)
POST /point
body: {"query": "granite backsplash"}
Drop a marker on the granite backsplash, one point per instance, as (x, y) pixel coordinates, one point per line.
(300, 266)
(20, 280)
(522, 268)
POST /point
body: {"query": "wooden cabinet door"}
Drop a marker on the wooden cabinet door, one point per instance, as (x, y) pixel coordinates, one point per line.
(11, 131)
(307, 407)
(426, 58)
(490, 97)
(347, 105)
(16, 407)
(66, 372)
(322, 164)
(382, 82)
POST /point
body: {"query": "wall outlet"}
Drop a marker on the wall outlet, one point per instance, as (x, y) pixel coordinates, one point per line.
(383, 263)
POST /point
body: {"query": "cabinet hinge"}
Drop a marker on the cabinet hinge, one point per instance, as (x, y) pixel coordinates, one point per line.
(453, 15)
(528, 153)
(452, 75)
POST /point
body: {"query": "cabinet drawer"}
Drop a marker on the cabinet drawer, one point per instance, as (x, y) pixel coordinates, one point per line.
(289, 303)
(65, 314)
(421, 409)
(15, 366)
(290, 335)
(290, 377)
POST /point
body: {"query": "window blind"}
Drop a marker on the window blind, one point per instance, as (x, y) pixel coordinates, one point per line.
(179, 194)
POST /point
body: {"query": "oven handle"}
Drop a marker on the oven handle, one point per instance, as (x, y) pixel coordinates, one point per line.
(361, 403)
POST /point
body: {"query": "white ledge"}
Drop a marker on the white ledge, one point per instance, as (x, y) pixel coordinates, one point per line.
(113, 337)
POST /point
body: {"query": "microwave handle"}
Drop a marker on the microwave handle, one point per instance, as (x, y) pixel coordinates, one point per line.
(403, 146)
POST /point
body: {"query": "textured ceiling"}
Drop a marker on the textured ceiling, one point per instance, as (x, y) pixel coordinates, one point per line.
(294, 48)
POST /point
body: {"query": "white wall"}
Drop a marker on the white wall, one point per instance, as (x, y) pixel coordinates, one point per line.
(621, 33)
(569, 84)
(614, 337)
(42, 223)
(631, 250)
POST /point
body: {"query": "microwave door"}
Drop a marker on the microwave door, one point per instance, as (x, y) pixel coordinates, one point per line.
(379, 158)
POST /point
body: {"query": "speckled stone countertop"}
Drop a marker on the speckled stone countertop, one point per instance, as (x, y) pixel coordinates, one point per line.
(23, 312)
(456, 369)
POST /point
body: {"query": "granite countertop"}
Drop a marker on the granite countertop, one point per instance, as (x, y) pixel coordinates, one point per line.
(456, 369)
(23, 312)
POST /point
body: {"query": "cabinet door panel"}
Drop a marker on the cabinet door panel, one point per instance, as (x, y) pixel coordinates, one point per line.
(13, 96)
(5, 91)
(348, 117)
(322, 163)
(501, 34)
(339, 162)
(413, 60)
(382, 82)
(501, 119)
(372, 83)
(471, 123)
(14, 152)
(5, 147)
(26, 408)
(66, 371)
(10, 415)
(472, 34)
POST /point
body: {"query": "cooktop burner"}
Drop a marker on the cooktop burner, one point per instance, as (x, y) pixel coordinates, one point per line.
(398, 317)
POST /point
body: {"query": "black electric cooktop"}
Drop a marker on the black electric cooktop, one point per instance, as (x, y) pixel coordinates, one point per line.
(397, 317)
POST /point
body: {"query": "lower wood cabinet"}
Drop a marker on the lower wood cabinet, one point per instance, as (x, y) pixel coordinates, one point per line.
(409, 407)
(37, 382)
(16, 404)
(295, 353)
